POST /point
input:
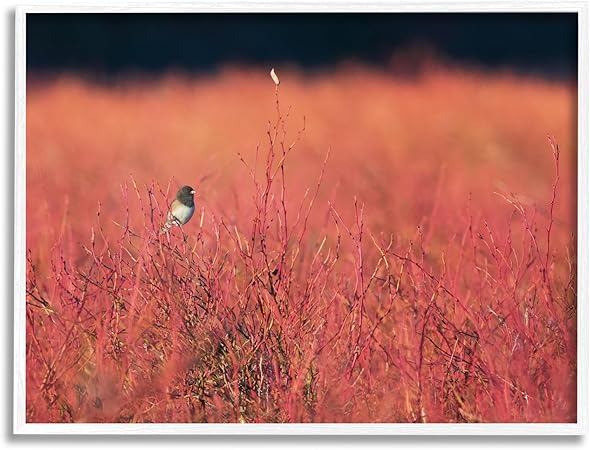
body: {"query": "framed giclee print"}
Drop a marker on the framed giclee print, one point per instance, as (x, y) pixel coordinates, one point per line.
(370, 220)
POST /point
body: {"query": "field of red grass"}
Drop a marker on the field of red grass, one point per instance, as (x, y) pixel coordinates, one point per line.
(366, 248)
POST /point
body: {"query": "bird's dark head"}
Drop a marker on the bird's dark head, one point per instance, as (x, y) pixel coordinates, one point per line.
(186, 195)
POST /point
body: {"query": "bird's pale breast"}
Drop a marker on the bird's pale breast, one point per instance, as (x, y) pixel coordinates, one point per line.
(182, 213)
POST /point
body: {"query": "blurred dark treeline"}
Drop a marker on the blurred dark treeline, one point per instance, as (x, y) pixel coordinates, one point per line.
(543, 43)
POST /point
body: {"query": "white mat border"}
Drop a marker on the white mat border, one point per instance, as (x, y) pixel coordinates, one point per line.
(210, 6)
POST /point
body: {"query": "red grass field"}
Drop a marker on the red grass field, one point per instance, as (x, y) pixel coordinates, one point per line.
(366, 248)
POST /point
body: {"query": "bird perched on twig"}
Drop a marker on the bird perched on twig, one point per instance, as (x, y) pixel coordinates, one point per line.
(181, 209)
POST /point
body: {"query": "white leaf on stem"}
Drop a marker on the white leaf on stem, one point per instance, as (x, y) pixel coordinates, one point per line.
(274, 77)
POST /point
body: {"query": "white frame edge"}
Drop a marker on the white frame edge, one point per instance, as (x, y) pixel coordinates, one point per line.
(19, 396)
(583, 291)
(301, 429)
(19, 377)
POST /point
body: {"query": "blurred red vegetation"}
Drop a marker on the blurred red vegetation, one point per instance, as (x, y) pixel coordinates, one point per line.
(403, 254)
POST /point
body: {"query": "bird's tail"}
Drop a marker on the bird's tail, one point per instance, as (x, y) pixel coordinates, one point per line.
(171, 221)
(169, 224)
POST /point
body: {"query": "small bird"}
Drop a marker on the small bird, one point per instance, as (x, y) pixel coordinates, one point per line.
(181, 209)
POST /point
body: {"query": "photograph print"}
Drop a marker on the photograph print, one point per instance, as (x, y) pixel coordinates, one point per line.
(301, 218)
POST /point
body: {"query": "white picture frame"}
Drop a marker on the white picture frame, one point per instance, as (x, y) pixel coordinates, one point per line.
(20, 426)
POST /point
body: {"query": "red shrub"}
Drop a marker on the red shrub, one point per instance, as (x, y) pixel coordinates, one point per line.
(286, 299)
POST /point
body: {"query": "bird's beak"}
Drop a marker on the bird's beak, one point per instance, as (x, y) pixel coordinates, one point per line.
(193, 192)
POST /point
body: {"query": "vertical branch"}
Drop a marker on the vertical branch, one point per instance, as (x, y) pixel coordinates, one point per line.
(555, 150)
